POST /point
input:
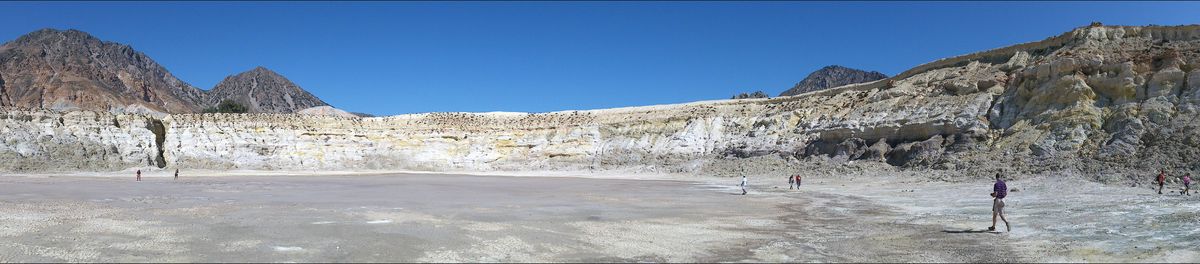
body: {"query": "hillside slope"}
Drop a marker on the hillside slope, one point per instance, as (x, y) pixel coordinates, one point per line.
(71, 69)
(263, 91)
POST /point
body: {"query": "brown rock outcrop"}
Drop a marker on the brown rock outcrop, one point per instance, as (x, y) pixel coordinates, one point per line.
(70, 69)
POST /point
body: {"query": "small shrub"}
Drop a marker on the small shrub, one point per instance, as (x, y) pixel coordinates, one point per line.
(227, 106)
(756, 94)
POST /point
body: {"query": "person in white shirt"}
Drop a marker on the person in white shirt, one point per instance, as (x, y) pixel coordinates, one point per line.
(743, 184)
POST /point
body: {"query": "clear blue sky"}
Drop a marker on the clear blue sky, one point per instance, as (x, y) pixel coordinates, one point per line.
(406, 57)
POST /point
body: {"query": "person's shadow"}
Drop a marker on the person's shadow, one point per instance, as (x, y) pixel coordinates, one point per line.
(969, 231)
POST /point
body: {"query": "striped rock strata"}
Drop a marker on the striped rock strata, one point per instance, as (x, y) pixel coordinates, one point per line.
(1105, 99)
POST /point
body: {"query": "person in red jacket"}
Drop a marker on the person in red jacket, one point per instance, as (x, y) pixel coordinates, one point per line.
(1162, 178)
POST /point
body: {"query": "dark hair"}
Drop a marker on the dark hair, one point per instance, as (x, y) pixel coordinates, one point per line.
(997, 175)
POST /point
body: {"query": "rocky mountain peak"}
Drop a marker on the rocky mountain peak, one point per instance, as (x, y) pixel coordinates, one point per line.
(832, 76)
(262, 90)
(262, 70)
(50, 34)
(259, 72)
(71, 69)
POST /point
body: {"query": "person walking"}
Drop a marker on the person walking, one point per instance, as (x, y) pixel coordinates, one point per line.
(176, 174)
(1162, 178)
(139, 175)
(1187, 184)
(791, 181)
(797, 181)
(743, 184)
(999, 191)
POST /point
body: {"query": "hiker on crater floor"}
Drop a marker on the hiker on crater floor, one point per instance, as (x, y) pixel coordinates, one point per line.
(139, 175)
(1162, 178)
(999, 191)
(743, 184)
(1187, 184)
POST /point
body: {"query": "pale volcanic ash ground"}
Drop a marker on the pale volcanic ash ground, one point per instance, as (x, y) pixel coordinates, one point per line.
(460, 218)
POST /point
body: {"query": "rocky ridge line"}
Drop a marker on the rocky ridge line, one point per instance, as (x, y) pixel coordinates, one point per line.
(832, 76)
(1108, 103)
(72, 70)
(263, 91)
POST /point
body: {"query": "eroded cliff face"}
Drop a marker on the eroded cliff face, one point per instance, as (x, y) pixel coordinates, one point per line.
(1107, 101)
(75, 141)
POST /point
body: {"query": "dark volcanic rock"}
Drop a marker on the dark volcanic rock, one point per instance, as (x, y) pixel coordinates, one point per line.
(877, 151)
(71, 69)
(3, 94)
(755, 94)
(918, 153)
(263, 91)
(851, 148)
(832, 76)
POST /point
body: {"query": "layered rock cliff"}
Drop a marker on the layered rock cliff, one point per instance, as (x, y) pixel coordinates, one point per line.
(38, 140)
(1108, 102)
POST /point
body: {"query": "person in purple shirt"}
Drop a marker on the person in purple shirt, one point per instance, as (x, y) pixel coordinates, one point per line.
(1187, 184)
(999, 191)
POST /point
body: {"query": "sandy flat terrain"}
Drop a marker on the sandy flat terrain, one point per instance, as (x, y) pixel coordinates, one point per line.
(455, 218)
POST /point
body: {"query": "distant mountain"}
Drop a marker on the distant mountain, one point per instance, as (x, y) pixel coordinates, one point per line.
(326, 110)
(263, 91)
(832, 76)
(71, 69)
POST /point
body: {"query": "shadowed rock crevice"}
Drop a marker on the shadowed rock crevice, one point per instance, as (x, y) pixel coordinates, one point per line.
(160, 135)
